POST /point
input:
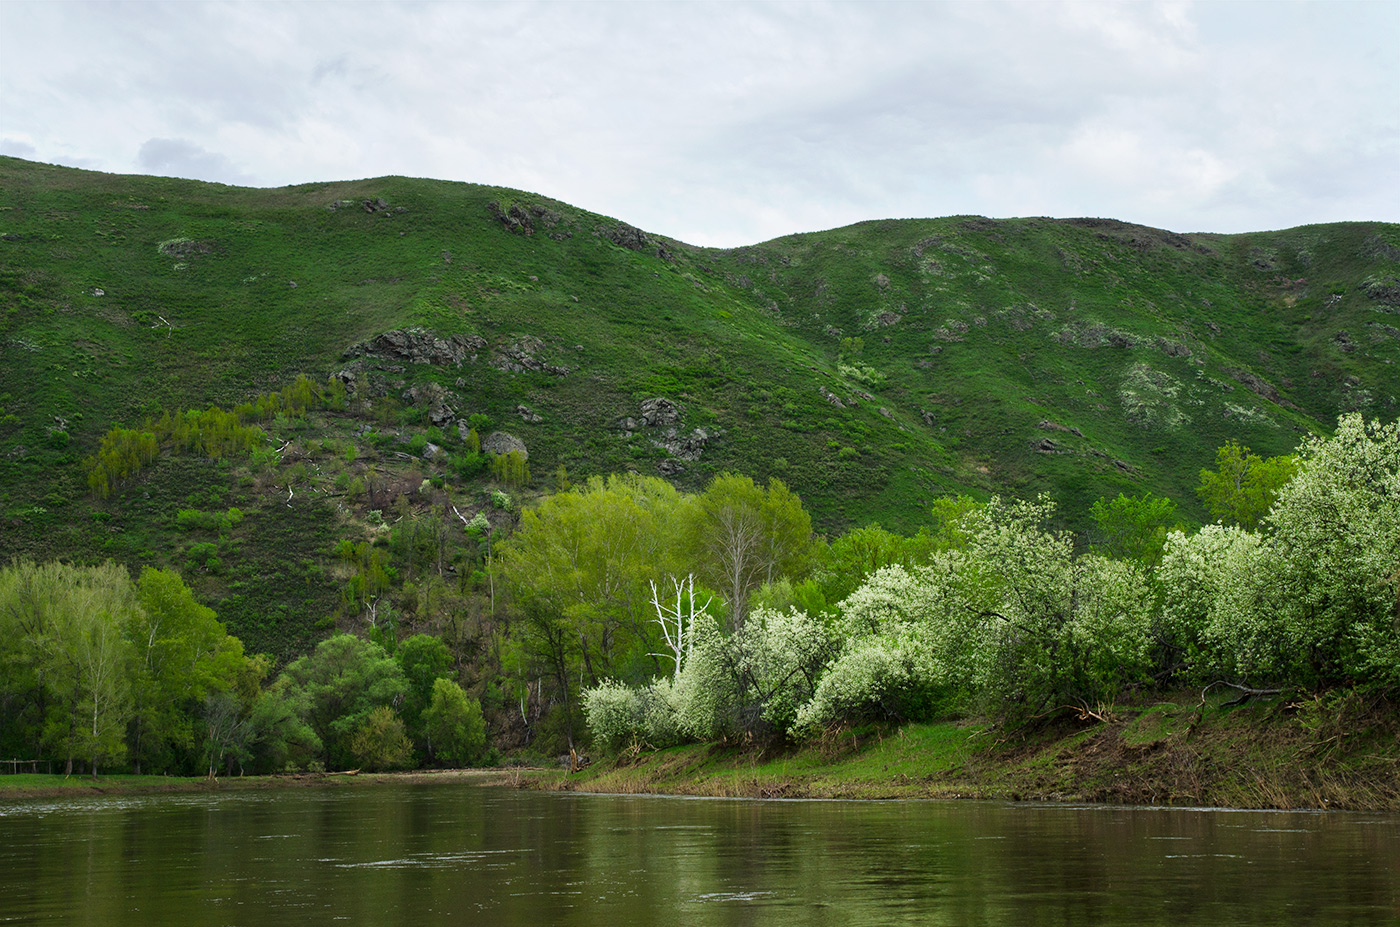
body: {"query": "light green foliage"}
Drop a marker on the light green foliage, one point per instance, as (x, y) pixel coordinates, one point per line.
(947, 516)
(844, 564)
(372, 578)
(454, 725)
(1243, 486)
(67, 658)
(379, 741)
(94, 667)
(1133, 527)
(740, 536)
(585, 558)
(510, 469)
(339, 685)
(122, 454)
(182, 655)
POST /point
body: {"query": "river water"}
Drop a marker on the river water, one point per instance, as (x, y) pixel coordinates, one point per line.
(458, 853)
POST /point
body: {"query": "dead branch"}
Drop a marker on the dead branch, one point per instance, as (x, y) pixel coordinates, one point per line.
(1248, 693)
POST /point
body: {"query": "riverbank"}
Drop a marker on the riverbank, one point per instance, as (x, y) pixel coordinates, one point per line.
(1338, 753)
(27, 785)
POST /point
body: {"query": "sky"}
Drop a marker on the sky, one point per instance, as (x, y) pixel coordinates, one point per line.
(725, 124)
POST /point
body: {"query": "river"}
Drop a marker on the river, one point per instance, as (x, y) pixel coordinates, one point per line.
(424, 854)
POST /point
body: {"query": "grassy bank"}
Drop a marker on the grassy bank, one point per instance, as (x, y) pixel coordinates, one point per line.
(26, 785)
(1340, 754)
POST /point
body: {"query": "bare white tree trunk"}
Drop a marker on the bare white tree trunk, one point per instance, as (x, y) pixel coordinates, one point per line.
(678, 620)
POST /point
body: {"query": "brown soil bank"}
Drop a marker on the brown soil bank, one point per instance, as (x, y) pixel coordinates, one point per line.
(1339, 752)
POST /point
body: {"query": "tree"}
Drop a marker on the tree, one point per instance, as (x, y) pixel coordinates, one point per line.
(1336, 532)
(1243, 486)
(846, 563)
(1059, 630)
(69, 623)
(741, 536)
(339, 684)
(183, 655)
(425, 660)
(579, 566)
(1133, 527)
(379, 741)
(454, 724)
(677, 620)
(1215, 620)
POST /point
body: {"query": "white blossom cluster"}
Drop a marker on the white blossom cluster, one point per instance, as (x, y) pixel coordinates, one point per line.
(1013, 621)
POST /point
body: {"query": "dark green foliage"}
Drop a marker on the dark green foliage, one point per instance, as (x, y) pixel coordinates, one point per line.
(338, 686)
(454, 725)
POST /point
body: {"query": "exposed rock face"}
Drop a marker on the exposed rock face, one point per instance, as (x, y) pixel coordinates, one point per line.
(501, 442)
(659, 413)
(520, 357)
(686, 447)
(527, 414)
(1048, 425)
(515, 219)
(420, 347)
(434, 397)
(1258, 385)
(629, 237)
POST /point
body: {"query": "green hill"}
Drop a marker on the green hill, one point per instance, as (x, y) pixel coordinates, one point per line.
(872, 368)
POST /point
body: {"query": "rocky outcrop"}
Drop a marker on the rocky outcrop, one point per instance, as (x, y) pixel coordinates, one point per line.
(501, 443)
(526, 220)
(434, 398)
(417, 346)
(686, 446)
(661, 418)
(520, 357)
(1047, 425)
(660, 413)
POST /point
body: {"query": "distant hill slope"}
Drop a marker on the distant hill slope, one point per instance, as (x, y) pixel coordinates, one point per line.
(873, 368)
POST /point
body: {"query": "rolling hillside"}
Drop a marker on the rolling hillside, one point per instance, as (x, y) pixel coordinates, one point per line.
(872, 368)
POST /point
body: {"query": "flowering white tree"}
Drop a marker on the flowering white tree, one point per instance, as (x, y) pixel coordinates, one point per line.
(1063, 630)
(1336, 531)
(1215, 620)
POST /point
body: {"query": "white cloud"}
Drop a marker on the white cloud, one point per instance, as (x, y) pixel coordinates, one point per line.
(729, 123)
(176, 157)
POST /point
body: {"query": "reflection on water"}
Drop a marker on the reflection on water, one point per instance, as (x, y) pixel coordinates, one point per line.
(431, 854)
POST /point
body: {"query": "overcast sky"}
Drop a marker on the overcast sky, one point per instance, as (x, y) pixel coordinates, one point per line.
(731, 123)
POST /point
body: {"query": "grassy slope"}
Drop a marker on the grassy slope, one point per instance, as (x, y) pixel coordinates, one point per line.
(1171, 753)
(976, 332)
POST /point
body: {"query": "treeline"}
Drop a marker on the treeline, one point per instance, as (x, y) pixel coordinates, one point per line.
(628, 611)
(991, 612)
(98, 670)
